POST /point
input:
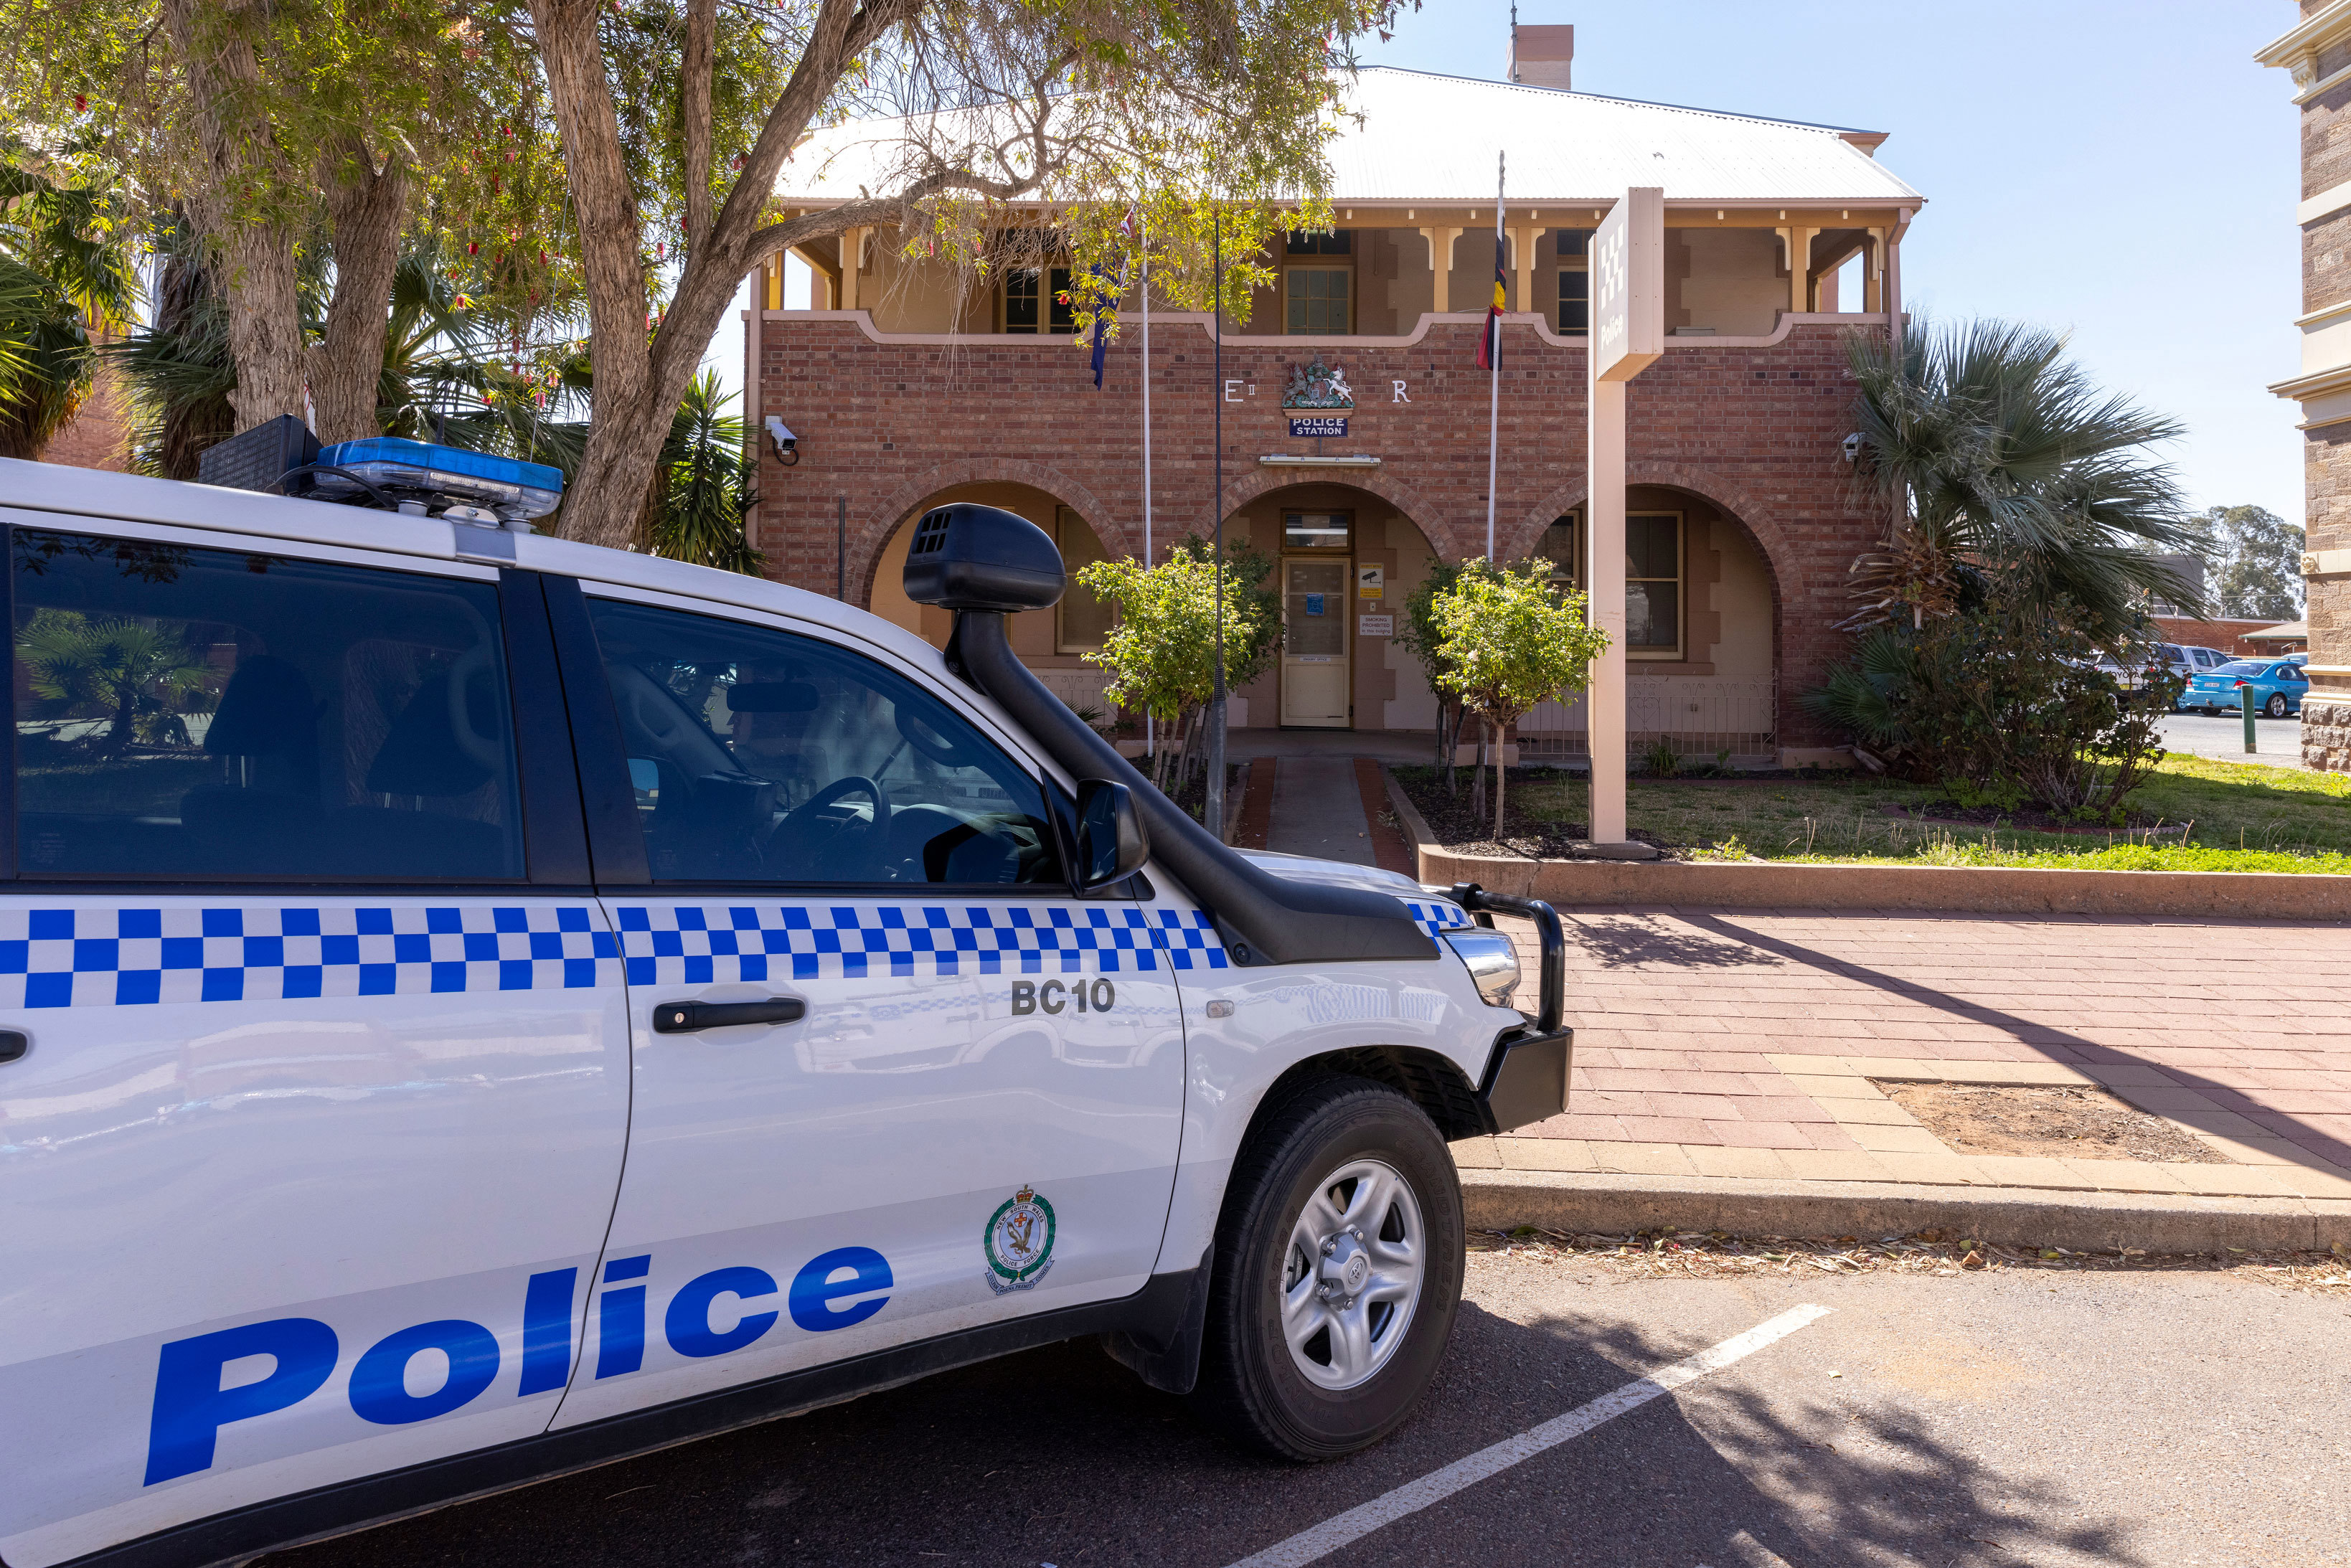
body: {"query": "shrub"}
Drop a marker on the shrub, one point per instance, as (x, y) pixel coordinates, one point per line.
(1506, 640)
(2000, 705)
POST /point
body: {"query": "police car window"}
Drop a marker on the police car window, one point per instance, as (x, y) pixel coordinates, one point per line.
(197, 713)
(759, 756)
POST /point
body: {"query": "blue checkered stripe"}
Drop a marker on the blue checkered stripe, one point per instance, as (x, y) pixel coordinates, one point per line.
(689, 944)
(116, 957)
(1439, 916)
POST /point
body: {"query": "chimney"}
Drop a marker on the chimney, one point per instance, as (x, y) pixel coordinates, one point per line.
(1541, 57)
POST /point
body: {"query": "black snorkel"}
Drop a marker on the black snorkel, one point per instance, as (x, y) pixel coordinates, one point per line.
(984, 563)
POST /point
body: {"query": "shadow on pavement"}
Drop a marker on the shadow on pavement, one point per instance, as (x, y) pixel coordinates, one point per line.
(2314, 1146)
(1620, 942)
(1058, 1456)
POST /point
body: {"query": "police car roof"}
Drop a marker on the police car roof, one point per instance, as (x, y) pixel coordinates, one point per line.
(99, 495)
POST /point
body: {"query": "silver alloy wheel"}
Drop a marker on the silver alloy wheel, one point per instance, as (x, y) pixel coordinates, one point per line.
(1351, 1274)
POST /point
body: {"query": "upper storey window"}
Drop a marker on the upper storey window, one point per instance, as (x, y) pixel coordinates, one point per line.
(1318, 283)
(1038, 298)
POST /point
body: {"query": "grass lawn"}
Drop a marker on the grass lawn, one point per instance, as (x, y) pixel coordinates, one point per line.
(2246, 817)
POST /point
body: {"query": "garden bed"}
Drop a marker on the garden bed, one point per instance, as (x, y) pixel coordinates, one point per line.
(2194, 814)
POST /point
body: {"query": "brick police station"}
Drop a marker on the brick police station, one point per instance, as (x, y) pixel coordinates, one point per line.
(1781, 240)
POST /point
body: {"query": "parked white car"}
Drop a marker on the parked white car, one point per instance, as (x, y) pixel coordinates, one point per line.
(473, 1005)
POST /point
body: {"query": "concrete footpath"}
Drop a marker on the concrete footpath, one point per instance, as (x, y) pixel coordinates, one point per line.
(1731, 1066)
(1732, 1070)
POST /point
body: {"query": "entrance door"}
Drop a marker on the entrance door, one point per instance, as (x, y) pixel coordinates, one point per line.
(1314, 671)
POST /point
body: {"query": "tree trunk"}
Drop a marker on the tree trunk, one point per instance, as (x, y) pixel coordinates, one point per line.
(366, 208)
(258, 276)
(640, 373)
(189, 428)
(1501, 775)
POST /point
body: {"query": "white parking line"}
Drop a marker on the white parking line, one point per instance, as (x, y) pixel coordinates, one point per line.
(1319, 1540)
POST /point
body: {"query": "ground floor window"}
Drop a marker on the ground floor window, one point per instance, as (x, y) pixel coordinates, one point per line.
(1563, 545)
(1316, 531)
(1652, 585)
(1080, 620)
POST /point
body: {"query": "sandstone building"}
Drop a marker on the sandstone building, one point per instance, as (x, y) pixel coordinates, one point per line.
(2318, 54)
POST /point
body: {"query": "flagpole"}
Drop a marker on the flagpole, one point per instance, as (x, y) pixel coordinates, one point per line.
(1214, 804)
(1494, 389)
(1143, 236)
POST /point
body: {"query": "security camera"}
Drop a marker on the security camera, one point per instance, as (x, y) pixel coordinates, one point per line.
(1852, 445)
(788, 445)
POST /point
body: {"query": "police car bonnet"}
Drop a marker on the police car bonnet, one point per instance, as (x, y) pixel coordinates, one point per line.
(969, 556)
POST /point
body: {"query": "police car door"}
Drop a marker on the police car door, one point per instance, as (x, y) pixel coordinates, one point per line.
(892, 1079)
(315, 1095)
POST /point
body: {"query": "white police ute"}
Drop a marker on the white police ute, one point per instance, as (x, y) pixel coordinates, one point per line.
(474, 1006)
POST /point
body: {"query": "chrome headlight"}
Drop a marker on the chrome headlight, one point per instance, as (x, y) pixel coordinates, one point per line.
(1493, 960)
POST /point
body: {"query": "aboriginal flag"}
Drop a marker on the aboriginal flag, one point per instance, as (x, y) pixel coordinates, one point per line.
(1489, 345)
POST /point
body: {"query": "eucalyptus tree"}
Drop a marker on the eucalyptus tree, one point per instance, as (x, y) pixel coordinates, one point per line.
(1202, 116)
(306, 141)
(2005, 471)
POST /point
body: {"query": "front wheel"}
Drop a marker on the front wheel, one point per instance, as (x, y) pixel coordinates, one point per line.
(2275, 708)
(1338, 1271)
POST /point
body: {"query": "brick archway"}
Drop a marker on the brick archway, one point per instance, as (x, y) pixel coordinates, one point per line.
(1249, 487)
(870, 534)
(1780, 557)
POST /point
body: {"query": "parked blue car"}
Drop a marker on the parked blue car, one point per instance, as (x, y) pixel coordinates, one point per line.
(2277, 687)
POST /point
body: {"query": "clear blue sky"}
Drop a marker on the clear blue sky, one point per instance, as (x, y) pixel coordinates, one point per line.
(2119, 170)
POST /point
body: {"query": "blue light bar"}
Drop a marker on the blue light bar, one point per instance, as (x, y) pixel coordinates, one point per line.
(508, 486)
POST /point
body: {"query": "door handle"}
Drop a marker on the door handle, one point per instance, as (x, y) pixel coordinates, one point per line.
(685, 1017)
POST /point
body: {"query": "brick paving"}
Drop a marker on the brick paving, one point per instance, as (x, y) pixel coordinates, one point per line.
(1750, 1043)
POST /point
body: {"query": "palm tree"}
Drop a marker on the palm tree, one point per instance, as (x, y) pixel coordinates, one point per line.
(703, 489)
(2006, 472)
(178, 368)
(141, 679)
(64, 270)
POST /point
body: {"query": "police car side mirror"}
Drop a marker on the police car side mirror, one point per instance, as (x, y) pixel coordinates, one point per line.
(1112, 842)
(969, 556)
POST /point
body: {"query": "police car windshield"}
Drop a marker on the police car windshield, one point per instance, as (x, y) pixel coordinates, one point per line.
(760, 756)
(2241, 667)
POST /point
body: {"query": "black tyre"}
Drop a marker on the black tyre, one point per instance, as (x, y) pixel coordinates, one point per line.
(1337, 1275)
(2276, 707)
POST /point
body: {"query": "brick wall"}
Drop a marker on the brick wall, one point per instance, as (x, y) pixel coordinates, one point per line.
(2228, 636)
(891, 426)
(96, 437)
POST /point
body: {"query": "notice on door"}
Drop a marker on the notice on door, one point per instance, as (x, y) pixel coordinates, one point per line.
(1375, 626)
(1313, 604)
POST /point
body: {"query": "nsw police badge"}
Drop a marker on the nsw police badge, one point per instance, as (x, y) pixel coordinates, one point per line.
(1018, 1241)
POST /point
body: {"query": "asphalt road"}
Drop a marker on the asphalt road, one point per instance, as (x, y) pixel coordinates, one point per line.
(1993, 1419)
(2279, 740)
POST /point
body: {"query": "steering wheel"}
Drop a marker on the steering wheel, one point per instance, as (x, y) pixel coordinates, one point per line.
(802, 819)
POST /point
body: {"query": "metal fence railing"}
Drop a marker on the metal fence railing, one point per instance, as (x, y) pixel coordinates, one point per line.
(1701, 716)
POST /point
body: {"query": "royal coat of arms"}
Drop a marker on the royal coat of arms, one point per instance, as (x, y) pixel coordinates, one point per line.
(1018, 1242)
(1316, 385)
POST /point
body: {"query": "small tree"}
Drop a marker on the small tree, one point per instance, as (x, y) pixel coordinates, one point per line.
(1506, 640)
(1161, 654)
(1419, 637)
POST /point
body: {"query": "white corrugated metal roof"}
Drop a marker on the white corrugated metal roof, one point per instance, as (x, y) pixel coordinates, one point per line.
(1432, 138)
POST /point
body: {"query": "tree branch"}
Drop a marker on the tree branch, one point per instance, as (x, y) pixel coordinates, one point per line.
(696, 69)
